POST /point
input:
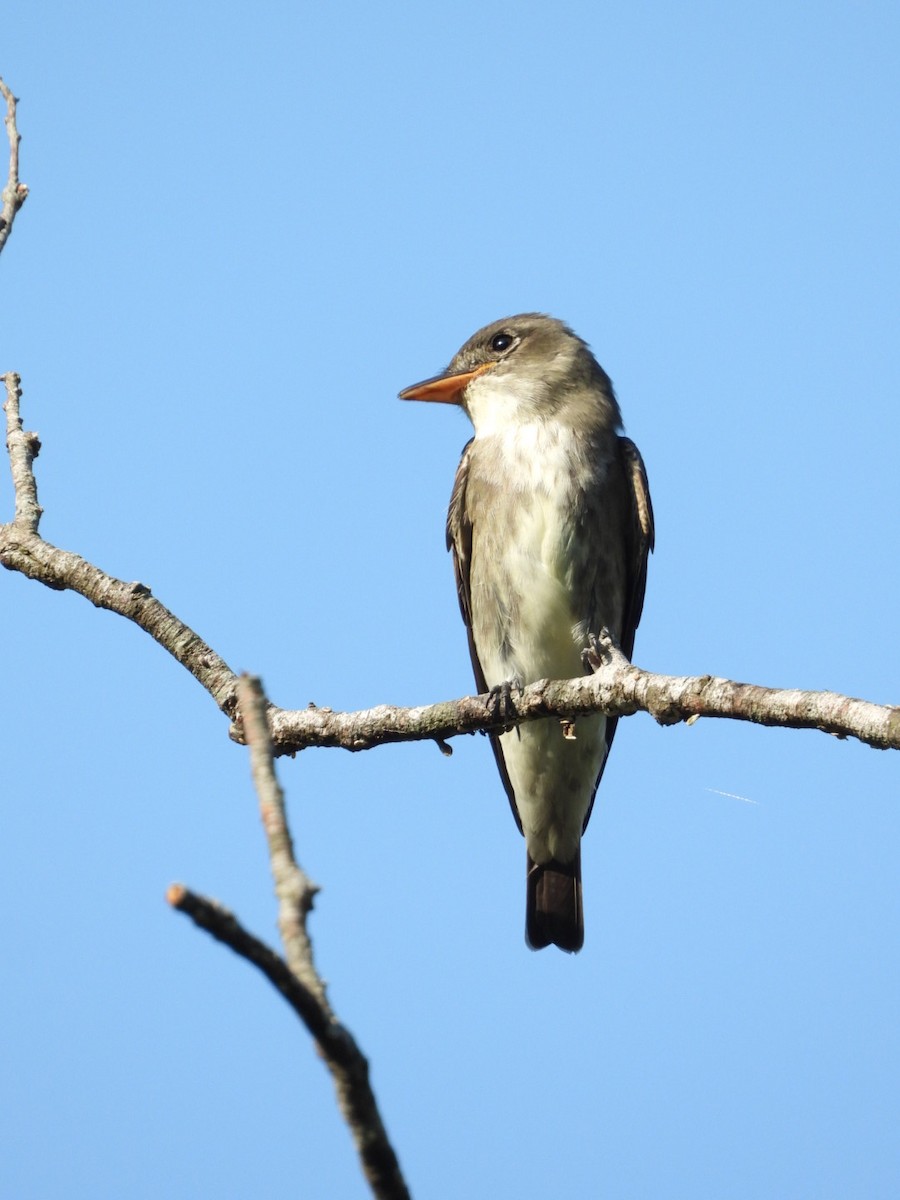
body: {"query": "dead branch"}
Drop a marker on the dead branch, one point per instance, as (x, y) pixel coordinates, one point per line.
(617, 688)
(295, 976)
(15, 193)
(23, 549)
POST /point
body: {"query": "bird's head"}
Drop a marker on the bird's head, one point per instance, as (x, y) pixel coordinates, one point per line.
(522, 369)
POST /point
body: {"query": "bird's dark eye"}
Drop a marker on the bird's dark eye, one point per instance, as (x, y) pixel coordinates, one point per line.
(501, 342)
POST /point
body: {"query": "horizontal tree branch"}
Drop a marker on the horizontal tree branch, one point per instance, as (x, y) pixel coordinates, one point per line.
(617, 688)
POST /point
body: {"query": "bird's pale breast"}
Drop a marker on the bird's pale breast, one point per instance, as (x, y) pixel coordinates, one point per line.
(530, 610)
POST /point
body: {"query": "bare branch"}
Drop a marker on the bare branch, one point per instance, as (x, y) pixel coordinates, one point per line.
(23, 449)
(617, 688)
(224, 926)
(293, 887)
(295, 976)
(23, 549)
(15, 193)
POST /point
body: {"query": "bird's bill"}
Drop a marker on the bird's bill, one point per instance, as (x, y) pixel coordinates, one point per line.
(446, 389)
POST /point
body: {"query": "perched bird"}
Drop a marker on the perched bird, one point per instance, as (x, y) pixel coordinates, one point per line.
(550, 525)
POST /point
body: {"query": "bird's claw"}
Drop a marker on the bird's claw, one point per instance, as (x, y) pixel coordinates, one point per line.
(501, 702)
(602, 648)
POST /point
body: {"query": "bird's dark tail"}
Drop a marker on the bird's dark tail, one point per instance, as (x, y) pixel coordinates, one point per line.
(553, 912)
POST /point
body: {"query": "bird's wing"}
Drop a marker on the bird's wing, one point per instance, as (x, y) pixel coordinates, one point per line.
(639, 537)
(459, 543)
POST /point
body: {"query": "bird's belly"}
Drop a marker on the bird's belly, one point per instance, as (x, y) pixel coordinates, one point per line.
(553, 778)
(525, 617)
(529, 625)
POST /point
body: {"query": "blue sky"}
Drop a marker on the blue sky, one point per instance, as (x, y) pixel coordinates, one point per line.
(246, 232)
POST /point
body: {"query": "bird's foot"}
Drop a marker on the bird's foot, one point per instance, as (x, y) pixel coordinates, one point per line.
(602, 648)
(501, 702)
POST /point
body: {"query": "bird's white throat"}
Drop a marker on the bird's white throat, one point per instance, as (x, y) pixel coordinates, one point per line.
(545, 457)
(495, 405)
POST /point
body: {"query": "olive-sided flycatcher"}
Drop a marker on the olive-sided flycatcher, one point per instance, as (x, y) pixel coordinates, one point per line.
(550, 526)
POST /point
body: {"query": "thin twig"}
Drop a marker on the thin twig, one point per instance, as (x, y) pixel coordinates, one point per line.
(224, 926)
(23, 448)
(23, 549)
(295, 976)
(15, 193)
(293, 887)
